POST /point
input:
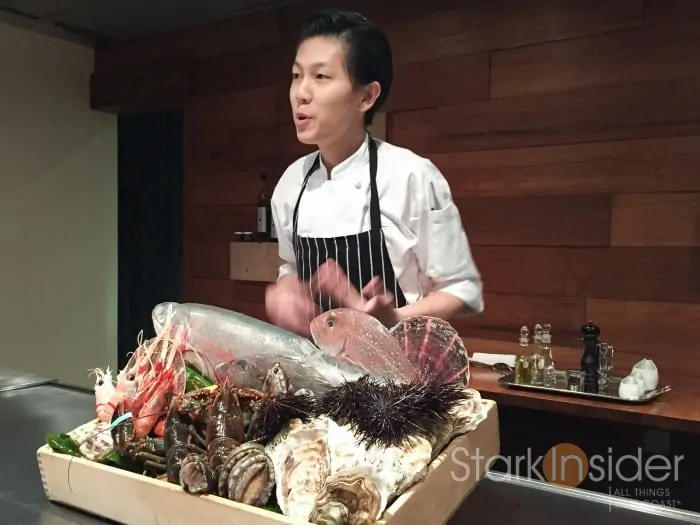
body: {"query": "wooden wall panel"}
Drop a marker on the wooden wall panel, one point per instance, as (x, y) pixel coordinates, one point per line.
(653, 109)
(649, 328)
(238, 109)
(634, 166)
(501, 24)
(642, 274)
(528, 221)
(506, 313)
(648, 54)
(569, 133)
(217, 292)
(465, 78)
(209, 259)
(656, 219)
(222, 222)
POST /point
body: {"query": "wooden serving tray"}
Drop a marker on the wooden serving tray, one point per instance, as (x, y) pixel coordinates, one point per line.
(128, 498)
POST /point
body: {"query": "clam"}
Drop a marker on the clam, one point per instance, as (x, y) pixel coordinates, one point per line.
(349, 497)
(247, 476)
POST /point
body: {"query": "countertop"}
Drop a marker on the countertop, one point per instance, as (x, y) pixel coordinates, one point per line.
(28, 414)
(15, 379)
(676, 410)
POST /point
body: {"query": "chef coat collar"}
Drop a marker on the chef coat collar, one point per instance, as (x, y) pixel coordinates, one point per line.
(358, 160)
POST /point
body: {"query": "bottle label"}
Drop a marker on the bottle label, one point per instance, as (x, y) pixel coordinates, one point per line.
(262, 219)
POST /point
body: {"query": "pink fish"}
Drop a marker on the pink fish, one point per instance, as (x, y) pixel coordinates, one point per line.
(363, 341)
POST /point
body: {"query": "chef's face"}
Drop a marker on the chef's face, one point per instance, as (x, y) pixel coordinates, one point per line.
(325, 104)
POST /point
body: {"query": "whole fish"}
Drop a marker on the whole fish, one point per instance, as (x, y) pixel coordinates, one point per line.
(215, 336)
(362, 341)
(251, 372)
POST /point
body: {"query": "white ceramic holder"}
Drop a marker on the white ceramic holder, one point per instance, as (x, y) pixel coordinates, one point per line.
(646, 371)
(631, 388)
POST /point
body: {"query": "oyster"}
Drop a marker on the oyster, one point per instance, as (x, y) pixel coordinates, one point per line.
(350, 497)
(462, 418)
(467, 415)
(387, 470)
(248, 475)
(94, 440)
(399, 467)
(300, 455)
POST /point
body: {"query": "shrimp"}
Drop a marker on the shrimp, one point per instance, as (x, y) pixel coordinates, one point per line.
(105, 391)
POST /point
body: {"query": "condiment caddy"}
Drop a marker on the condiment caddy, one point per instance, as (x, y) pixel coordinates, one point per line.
(535, 369)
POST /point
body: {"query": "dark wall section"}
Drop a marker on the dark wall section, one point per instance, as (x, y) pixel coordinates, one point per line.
(150, 220)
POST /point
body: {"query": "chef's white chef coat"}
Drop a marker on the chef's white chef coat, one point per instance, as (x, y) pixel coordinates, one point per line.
(422, 227)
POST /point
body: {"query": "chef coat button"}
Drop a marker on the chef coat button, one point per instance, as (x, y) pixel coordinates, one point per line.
(358, 185)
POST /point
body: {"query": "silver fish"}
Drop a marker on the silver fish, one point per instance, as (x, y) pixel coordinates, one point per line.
(216, 336)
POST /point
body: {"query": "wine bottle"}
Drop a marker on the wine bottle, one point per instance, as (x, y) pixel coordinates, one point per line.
(264, 211)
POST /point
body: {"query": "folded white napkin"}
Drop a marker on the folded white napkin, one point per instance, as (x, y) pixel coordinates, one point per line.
(492, 359)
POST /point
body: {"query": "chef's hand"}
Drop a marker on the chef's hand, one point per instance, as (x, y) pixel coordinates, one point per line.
(290, 305)
(373, 300)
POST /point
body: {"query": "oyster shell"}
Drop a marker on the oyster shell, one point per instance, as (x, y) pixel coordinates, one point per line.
(94, 439)
(463, 418)
(399, 467)
(390, 469)
(248, 475)
(469, 413)
(350, 497)
(300, 456)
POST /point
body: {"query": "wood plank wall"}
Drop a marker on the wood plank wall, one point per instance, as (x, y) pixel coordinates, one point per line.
(569, 131)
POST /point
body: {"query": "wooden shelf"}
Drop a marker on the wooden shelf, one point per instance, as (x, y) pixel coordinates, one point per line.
(254, 261)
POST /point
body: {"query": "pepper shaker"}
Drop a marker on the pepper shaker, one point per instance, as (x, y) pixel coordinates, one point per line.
(589, 359)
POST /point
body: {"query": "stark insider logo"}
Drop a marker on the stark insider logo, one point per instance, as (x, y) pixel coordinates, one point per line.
(568, 465)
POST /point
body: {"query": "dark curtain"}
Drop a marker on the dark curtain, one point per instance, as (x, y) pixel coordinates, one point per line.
(150, 220)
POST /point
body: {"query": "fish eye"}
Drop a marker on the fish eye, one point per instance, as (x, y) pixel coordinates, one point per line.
(331, 322)
(100, 382)
(130, 376)
(243, 365)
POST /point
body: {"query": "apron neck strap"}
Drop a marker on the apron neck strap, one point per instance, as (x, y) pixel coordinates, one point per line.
(375, 216)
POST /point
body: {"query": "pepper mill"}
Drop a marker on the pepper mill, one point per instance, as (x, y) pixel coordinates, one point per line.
(589, 359)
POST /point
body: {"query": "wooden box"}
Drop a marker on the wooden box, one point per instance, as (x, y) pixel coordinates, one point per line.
(134, 499)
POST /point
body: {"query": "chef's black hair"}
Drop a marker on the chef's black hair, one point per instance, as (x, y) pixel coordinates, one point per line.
(368, 56)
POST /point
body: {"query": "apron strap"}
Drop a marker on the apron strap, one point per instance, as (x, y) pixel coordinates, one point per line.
(314, 166)
(374, 212)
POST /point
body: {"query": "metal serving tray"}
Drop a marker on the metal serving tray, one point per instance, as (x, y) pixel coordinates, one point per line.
(610, 393)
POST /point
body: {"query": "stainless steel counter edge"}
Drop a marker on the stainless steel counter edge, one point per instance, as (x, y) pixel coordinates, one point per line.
(597, 497)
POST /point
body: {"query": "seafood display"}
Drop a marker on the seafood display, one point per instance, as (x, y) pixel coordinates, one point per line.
(347, 344)
(216, 336)
(329, 431)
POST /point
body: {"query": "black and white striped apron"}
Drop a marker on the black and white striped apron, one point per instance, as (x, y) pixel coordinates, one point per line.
(362, 256)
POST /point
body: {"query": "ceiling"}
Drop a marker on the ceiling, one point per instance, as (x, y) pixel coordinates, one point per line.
(92, 20)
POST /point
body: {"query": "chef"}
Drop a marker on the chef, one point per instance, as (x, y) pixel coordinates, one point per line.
(361, 223)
